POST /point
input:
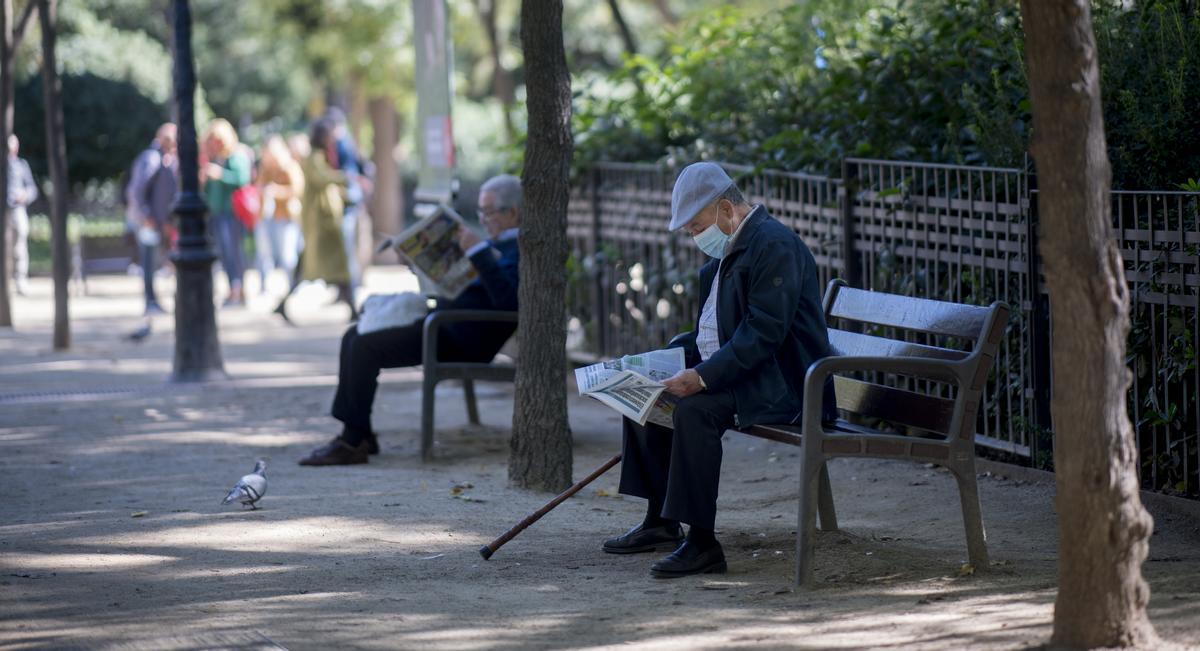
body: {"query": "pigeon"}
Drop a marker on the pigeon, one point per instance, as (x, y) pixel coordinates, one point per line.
(139, 335)
(250, 488)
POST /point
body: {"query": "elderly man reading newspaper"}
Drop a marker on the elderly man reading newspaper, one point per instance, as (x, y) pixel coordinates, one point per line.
(760, 328)
(491, 285)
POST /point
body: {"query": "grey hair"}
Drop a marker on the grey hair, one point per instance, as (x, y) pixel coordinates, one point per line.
(733, 195)
(507, 189)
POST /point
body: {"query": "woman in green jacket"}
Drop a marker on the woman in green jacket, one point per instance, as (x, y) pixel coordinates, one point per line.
(227, 169)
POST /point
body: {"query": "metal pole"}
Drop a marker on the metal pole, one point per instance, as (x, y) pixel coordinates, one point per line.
(851, 269)
(197, 350)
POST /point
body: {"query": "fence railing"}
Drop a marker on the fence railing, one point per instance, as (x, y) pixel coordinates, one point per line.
(963, 234)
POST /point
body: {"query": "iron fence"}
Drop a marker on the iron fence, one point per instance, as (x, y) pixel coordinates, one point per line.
(963, 234)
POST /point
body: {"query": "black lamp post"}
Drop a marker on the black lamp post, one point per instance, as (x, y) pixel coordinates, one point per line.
(197, 350)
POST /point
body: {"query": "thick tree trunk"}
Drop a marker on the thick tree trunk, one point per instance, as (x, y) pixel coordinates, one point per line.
(56, 153)
(1104, 530)
(541, 440)
(503, 85)
(387, 202)
(6, 123)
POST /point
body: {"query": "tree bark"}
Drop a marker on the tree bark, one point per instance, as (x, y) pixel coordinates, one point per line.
(1103, 529)
(6, 124)
(56, 150)
(503, 85)
(540, 456)
(386, 203)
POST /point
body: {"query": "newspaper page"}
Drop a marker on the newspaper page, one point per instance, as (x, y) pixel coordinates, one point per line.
(632, 385)
(431, 248)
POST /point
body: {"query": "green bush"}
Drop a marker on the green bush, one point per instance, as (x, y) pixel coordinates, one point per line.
(933, 81)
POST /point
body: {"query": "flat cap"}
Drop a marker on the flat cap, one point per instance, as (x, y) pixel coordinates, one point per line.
(697, 186)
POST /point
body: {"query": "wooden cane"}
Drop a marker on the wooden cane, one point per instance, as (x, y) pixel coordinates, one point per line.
(487, 550)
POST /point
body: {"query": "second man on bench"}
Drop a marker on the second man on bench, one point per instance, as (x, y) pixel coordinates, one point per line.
(363, 355)
(760, 327)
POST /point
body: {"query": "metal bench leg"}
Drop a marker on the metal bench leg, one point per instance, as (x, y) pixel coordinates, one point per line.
(968, 493)
(806, 522)
(427, 394)
(825, 501)
(469, 396)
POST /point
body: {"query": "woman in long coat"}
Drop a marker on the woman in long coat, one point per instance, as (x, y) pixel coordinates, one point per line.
(321, 216)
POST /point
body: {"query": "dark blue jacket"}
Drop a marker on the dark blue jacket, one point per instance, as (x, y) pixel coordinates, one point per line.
(770, 323)
(494, 289)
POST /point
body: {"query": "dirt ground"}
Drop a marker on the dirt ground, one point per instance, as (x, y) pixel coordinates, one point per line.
(111, 535)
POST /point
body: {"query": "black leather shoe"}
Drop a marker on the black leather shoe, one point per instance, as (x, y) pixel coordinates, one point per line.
(336, 453)
(639, 539)
(690, 559)
(372, 444)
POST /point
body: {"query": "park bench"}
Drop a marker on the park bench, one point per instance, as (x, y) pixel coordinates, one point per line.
(872, 343)
(436, 370)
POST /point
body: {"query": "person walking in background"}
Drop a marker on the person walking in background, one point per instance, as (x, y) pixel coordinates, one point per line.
(149, 196)
(321, 212)
(22, 191)
(357, 185)
(277, 232)
(226, 170)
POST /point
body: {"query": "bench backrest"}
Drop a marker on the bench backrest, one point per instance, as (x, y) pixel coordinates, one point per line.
(877, 326)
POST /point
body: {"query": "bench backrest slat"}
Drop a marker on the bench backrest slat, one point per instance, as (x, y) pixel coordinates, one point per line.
(913, 314)
(894, 405)
(860, 345)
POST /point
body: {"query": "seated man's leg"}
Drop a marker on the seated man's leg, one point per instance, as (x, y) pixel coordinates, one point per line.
(361, 359)
(645, 459)
(692, 481)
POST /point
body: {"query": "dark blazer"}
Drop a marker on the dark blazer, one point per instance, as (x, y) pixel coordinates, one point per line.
(770, 323)
(494, 289)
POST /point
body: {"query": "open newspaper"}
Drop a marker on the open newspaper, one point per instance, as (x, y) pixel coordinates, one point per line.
(430, 247)
(632, 385)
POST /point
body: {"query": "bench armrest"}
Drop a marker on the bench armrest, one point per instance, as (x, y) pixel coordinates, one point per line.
(942, 370)
(437, 319)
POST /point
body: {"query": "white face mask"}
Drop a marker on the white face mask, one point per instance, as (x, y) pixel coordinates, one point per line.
(712, 240)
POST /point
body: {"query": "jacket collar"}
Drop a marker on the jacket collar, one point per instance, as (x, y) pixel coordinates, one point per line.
(746, 230)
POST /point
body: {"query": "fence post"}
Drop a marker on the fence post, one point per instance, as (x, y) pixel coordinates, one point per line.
(1039, 325)
(851, 268)
(599, 318)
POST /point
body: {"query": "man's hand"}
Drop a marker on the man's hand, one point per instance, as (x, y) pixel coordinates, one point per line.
(684, 383)
(467, 238)
(214, 171)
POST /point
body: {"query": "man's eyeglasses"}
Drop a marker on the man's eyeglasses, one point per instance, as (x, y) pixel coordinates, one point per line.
(490, 212)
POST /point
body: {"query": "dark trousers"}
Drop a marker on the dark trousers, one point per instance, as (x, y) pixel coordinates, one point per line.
(363, 356)
(680, 468)
(149, 259)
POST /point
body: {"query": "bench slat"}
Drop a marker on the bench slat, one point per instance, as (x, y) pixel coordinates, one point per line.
(894, 405)
(918, 314)
(858, 345)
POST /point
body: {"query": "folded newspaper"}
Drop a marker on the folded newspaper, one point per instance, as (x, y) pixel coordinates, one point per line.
(430, 247)
(633, 386)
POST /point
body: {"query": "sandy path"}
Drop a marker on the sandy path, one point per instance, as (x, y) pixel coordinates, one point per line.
(384, 555)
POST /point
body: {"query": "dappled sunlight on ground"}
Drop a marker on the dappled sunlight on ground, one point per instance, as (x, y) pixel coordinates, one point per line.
(111, 531)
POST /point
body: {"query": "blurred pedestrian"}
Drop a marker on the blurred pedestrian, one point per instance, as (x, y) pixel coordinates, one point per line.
(226, 170)
(22, 191)
(321, 210)
(357, 188)
(277, 232)
(149, 196)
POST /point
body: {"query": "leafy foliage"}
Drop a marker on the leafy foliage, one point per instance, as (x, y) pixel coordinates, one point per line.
(932, 80)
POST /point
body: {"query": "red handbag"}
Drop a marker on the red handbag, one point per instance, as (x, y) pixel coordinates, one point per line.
(247, 204)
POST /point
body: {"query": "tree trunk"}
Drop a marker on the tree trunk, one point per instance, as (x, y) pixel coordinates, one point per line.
(664, 11)
(56, 154)
(6, 123)
(1103, 529)
(386, 203)
(541, 440)
(503, 85)
(623, 27)
(356, 116)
